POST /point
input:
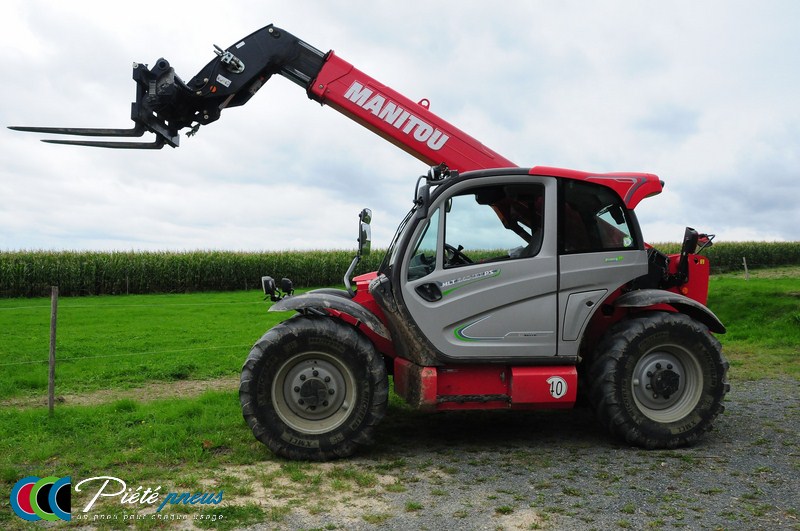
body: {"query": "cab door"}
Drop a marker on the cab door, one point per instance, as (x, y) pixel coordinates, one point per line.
(480, 279)
(601, 250)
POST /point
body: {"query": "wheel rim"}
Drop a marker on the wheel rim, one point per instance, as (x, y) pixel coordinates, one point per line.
(313, 392)
(667, 383)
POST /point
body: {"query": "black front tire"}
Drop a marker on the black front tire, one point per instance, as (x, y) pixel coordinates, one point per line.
(658, 380)
(314, 389)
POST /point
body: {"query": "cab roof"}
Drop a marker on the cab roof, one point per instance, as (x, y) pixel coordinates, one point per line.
(631, 187)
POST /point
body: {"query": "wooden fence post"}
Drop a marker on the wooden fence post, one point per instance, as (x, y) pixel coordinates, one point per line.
(51, 388)
(746, 272)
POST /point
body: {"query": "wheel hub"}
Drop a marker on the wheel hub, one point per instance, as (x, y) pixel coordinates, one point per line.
(314, 393)
(314, 389)
(659, 380)
(665, 382)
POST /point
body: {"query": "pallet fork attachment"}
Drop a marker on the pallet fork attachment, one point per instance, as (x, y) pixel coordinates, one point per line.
(165, 104)
(153, 87)
(136, 131)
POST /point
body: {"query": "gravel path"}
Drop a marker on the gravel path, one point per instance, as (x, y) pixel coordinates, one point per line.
(559, 470)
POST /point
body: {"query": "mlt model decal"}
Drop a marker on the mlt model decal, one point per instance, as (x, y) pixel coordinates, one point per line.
(393, 114)
(449, 286)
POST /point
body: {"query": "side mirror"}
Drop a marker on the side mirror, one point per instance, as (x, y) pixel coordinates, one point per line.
(364, 239)
(364, 244)
(690, 238)
(364, 232)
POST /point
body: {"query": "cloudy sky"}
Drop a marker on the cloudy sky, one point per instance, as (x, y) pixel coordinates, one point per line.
(704, 94)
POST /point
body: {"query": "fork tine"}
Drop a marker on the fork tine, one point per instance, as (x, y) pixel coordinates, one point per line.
(157, 144)
(83, 131)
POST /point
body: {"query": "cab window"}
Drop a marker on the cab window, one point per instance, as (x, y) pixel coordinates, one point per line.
(423, 259)
(593, 219)
(493, 223)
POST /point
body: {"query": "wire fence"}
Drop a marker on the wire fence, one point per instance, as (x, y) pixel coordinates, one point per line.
(135, 357)
(127, 354)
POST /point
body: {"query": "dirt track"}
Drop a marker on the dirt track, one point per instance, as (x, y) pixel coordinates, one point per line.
(152, 391)
(544, 470)
(558, 470)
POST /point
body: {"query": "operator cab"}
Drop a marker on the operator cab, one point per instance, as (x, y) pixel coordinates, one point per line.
(504, 266)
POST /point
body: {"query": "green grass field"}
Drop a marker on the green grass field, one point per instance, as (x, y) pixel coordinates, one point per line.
(126, 341)
(762, 315)
(116, 345)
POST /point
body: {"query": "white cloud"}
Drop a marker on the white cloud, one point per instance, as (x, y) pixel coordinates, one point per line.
(702, 94)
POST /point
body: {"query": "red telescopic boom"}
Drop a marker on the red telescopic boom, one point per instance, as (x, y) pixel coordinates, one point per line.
(407, 124)
(165, 104)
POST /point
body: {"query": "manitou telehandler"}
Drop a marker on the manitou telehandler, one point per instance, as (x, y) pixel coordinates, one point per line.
(503, 288)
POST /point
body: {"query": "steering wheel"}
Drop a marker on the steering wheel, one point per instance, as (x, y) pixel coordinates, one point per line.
(453, 255)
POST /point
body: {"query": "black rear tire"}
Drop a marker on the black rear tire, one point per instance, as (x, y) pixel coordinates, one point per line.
(314, 389)
(658, 380)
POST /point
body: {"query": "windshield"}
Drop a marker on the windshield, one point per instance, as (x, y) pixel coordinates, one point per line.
(391, 252)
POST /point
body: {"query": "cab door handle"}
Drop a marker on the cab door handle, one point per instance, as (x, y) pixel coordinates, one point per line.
(430, 292)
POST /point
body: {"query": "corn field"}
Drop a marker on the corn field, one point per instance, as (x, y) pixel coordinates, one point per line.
(31, 273)
(727, 256)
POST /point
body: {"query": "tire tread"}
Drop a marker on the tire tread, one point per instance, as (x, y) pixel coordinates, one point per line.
(363, 350)
(605, 380)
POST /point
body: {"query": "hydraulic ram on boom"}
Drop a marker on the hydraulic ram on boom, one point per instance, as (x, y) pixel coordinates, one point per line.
(165, 104)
